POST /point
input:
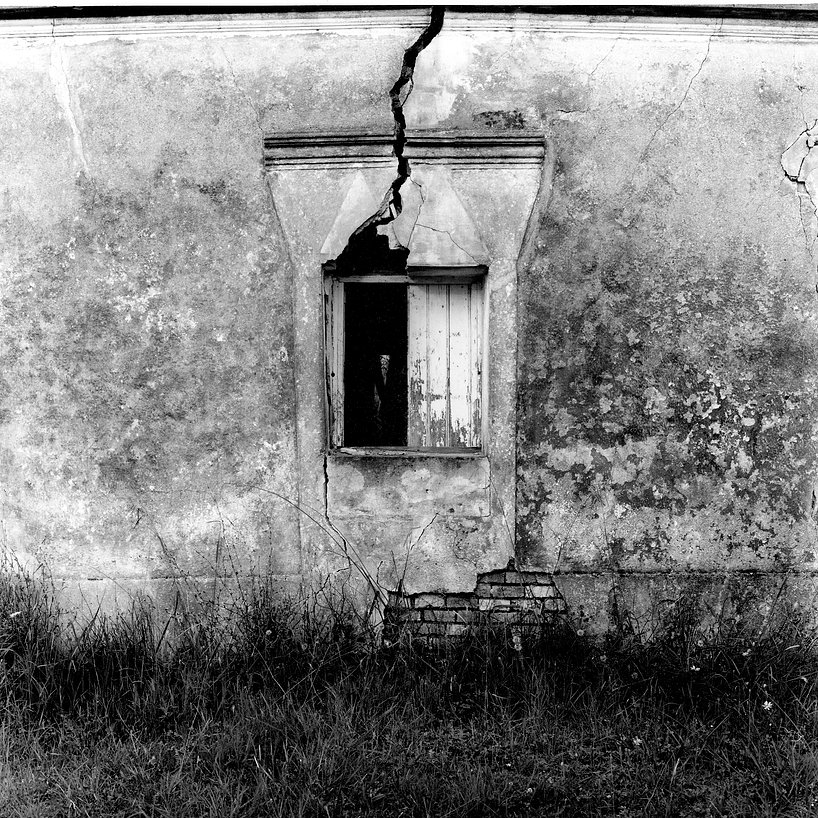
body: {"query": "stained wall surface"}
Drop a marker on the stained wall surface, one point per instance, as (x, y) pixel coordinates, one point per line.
(667, 370)
(158, 333)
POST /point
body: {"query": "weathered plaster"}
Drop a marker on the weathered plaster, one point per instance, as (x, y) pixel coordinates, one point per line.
(799, 164)
(147, 343)
(667, 367)
(652, 376)
(463, 506)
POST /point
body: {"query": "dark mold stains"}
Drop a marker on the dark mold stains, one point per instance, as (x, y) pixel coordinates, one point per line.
(506, 120)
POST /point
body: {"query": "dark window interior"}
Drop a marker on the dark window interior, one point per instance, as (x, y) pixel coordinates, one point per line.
(375, 391)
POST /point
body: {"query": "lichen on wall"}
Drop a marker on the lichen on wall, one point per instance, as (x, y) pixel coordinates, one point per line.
(668, 360)
(161, 369)
(146, 352)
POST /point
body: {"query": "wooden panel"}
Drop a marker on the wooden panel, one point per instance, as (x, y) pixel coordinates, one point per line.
(476, 358)
(461, 365)
(437, 363)
(444, 359)
(417, 369)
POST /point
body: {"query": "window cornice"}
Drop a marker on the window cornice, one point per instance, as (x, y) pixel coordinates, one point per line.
(313, 150)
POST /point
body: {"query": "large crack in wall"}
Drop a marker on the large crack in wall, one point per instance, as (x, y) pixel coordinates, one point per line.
(367, 247)
(800, 164)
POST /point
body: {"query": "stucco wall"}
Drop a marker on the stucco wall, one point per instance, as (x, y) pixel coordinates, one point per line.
(146, 353)
(667, 365)
(150, 350)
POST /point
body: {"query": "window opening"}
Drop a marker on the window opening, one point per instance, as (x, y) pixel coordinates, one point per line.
(404, 309)
(375, 406)
(404, 362)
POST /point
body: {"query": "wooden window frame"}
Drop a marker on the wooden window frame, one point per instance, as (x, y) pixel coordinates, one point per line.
(334, 346)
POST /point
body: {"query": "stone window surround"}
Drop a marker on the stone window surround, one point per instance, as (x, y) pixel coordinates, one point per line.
(335, 362)
(503, 179)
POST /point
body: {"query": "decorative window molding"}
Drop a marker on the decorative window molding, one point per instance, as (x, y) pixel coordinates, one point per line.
(433, 256)
(368, 149)
(405, 364)
(404, 340)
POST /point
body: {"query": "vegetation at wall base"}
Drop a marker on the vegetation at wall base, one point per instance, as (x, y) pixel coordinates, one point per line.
(264, 708)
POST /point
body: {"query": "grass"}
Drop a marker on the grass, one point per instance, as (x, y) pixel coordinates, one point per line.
(274, 709)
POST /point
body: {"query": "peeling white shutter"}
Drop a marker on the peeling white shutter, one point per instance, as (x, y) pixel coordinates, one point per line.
(444, 361)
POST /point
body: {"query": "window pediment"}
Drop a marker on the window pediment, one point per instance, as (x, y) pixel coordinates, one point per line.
(418, 310)
(433, 225)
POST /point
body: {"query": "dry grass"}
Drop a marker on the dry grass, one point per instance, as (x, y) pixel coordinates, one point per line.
(268, 713)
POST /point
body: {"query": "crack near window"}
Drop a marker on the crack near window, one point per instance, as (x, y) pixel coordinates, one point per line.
(451, 238)
(391, 205)
(687, 91)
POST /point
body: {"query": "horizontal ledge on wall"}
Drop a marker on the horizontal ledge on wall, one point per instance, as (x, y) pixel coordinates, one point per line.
(170, 577)
(472, 453)
(350, 149)
(683, 572)
(362, 22)
(416, 275)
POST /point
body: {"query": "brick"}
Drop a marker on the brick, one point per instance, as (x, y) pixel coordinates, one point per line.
(513, 617)
(519, 605)
(542, 591)
(506, 577)
(495, 604)
(539, 578)
(502, 591)
(431, 629)
(429, 601)
(530, 579)
(441, 615)
(528, 605)
(458, 602)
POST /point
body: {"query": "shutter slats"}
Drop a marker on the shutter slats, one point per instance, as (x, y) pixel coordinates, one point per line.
(476, 365)
(417, 366)
(460, 366)
(437, 363)
(444, 365)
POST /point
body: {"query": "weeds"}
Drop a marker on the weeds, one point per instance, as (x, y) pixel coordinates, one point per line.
(274, 707)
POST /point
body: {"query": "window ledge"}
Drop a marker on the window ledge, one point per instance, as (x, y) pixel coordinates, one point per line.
(407, 452)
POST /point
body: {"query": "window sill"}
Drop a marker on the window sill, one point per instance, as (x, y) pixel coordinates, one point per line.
(407, 452)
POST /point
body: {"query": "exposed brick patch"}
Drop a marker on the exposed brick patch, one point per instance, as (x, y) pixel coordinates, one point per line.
(523, 600)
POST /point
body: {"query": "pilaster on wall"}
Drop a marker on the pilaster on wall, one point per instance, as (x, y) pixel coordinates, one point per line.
(403, 528)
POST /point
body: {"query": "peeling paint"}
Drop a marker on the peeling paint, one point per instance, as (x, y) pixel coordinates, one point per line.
(651, 373)
(62, 91)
